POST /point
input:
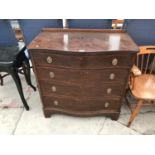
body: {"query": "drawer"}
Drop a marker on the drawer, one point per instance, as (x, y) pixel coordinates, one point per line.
(54, 88)
(61, 102)
(49, 59)
(106, 90)
(107, 61)
(88, 62)
(99, 77)
(57, 74)
(85, 104)
(92, 77)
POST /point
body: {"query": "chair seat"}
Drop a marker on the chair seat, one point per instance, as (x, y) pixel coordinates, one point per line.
(9, 55)
(144, 87)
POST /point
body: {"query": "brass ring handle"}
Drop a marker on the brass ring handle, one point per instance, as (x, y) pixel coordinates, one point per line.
(56, 102)
(112, 76)
(114, 61)
(51, 74)
(106, 105)
(109, 90)
(54, 89)
(49, 60)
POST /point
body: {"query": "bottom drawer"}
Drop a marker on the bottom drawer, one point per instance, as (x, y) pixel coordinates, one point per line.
(81, 104)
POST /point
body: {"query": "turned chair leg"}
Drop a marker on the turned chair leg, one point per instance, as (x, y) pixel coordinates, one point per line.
(27, 73)
(135, 112)
(15, 76)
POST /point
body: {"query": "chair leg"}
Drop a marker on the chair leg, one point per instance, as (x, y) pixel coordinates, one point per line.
(1, 80)
(27, 73)
(15, 76)
(2, 77)
(135, 112)
(127, 102)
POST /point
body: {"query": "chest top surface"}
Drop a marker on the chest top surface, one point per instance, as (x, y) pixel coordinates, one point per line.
(83, 41)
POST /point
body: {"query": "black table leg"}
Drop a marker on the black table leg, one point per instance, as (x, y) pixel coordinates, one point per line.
(16, 78)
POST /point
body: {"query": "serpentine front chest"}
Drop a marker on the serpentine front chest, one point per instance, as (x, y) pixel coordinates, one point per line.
(82, 72)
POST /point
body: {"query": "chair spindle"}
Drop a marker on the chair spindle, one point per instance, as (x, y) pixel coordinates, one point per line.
(147, 62)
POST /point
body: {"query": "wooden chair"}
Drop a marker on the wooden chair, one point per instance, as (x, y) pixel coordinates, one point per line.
(142, 81)
(117, 23)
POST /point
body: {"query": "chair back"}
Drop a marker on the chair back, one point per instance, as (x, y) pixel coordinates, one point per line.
(31, 27)
(146, 59)
(142, 31)
(90, 23)
(7, 36)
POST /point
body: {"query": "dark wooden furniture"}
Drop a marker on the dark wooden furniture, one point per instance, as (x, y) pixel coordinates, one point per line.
(142, 81)
(82, 72)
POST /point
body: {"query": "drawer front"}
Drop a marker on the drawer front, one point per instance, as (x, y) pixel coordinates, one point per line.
(107, 61)
(49, 59)
(99, 77)
(85, 104)
(92, 77)
(57, 74)
(53, 88)
(70, 61)
(108, 90)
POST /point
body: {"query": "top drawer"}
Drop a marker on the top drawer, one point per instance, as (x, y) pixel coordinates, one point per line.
(87, 62)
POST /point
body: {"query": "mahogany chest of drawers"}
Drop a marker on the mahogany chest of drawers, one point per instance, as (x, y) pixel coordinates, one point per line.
(82, 72)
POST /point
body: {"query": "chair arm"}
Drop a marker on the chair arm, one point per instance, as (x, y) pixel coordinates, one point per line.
(136, 71)
(131, 80)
